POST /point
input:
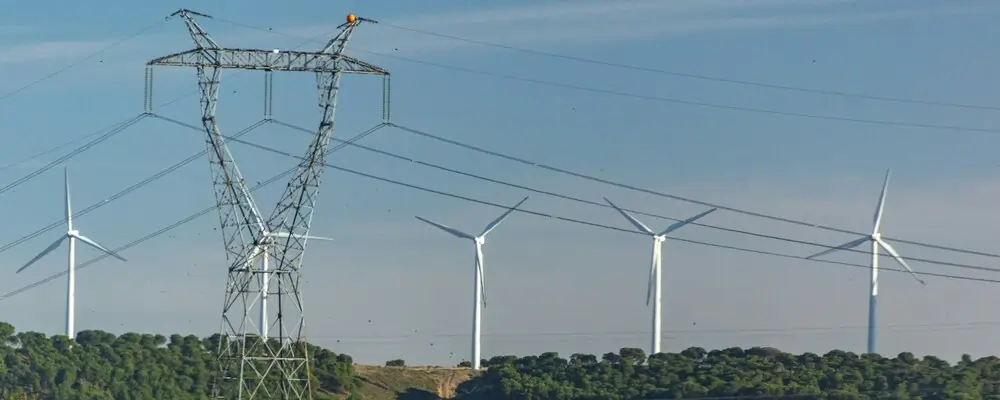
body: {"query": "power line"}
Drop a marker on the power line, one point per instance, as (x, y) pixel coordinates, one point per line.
(80, 61)
(761, 252)
(695, 76)
(676, 197)
(599, 204)
(674, 100)
(143, 183)
(182, 221)
(661, 99)
(129, 122)
(745, 212)
(205, 211)
(584, 222)
(105, 134)
(162, 173)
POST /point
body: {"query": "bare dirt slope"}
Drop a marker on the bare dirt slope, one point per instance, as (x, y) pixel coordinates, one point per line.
(410, 383)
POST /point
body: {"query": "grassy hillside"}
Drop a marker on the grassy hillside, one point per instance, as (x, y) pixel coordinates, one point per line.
(410, 383)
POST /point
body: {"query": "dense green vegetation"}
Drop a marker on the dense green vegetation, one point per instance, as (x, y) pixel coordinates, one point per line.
(759, 373)
(132, 366)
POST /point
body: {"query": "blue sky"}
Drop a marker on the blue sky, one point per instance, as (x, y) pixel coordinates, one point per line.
(552, 285)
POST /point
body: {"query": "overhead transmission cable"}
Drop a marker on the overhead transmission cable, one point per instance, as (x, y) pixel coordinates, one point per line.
(721, 246)
(676, 100)
(630, 187)
(675, 197)
(30, 159)
(693, 75)
(207, 210)
(634, 188)
(102, 134)
(176, 224)
(662, 99)
(584, 222)
(82, 60)
(184, 220)
(162, 173)
(603, 205)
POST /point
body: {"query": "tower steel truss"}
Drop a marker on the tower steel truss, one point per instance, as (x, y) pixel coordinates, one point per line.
(254, 366)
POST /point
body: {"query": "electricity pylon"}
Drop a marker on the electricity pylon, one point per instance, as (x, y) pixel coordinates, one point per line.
(252, 367)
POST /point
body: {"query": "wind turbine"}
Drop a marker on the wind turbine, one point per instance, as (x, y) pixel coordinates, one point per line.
(72, 235)
(655, 284)
(261, 250)
(876, 240)
(479, 283)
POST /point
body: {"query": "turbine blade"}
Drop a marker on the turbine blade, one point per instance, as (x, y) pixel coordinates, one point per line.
(677, 225)
(877, 222)
(493, 225)
(51, 248)
(94, 244)
(849, 245)
(448, 229)
(635, 222)
(899, 259)
(482, 271)
(309, 237)
(69, 209)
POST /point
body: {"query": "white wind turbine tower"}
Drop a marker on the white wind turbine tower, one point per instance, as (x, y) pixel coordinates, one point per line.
(261, 250)
(72, 235)
(876, 240)
(654, 289)
(479, 283)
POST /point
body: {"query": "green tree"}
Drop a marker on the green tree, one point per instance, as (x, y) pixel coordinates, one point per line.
(101, 366)
(759, 373)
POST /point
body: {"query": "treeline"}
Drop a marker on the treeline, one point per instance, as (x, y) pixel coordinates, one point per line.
(758, 373)
(102, 366)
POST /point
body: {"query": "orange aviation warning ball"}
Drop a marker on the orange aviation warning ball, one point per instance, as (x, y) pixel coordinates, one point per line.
(351, 18)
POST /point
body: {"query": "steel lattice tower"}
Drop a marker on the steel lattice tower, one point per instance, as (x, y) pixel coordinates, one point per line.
(252, 367)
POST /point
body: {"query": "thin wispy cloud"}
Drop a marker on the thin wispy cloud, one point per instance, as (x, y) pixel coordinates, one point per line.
(564, 23)
(596, 11)
(606, 22)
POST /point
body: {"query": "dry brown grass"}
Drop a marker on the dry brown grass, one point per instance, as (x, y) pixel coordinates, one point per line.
(414, 383)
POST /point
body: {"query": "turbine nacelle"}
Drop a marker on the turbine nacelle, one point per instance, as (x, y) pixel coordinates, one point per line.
(658, 239)
(479, 240)
(71, 234)
(480, 280)
(876, 236)
(662, 234)
(655, 265)
(268, 238)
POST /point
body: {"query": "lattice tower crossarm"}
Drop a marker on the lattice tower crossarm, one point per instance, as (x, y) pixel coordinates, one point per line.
(252, 367)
